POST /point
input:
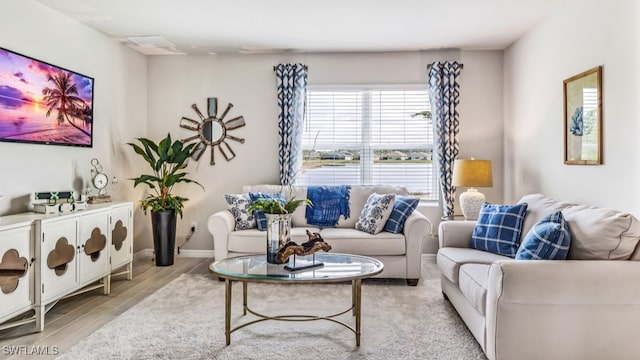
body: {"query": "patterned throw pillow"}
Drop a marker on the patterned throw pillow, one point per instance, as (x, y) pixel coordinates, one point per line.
(238, 205)
(403, 206)
(548, 239)
(261, 219)
(498, 229)
(375, 213)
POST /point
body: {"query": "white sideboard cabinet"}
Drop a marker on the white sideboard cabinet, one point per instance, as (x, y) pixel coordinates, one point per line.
(46, 258)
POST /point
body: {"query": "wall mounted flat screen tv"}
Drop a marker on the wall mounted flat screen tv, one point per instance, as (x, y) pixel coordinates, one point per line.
(43, 103)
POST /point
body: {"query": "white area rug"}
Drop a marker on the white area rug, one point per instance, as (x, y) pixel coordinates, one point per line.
(185, 320)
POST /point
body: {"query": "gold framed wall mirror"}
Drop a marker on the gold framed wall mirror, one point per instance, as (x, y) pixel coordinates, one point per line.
(212, 131)
(583, 118)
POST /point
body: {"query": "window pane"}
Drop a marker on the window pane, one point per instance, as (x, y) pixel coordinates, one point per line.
(332, 119)
(369, 137)
(391, 121)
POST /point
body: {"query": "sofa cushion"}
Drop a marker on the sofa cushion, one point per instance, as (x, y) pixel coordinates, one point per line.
(474, 283)
(403, 206)
(352, 241)
(498, 228)
(261, 219)
(254, 241)
(450, 259)
(596, 233)
(548, 239)
(238, 205)
(375, 213)
(538, 207)
(601, 234)
(358, 197)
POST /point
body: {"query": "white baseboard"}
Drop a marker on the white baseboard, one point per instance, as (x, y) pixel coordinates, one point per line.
(186, 253)
(429, 258)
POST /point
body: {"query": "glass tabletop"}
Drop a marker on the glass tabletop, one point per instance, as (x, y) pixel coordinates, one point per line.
(336, 267)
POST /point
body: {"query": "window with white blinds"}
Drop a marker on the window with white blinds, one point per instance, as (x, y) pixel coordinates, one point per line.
(368, 136)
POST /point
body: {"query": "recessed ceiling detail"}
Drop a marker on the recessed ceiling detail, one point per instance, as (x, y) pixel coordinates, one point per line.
(311, 26)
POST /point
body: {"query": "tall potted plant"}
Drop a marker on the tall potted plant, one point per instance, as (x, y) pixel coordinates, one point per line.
(167, 161)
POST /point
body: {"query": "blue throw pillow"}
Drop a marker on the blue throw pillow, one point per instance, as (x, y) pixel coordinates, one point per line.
(548, 239)
(261, 219)
(498, 228)
(402, 208)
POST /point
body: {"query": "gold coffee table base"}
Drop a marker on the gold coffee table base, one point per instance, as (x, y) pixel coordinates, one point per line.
(356, 295)
(338, 268)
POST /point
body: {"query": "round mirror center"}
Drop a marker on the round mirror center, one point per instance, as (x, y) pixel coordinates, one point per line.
(212, 131)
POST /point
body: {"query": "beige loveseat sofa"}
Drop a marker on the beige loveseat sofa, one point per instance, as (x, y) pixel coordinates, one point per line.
(586, 307)
(400, 253)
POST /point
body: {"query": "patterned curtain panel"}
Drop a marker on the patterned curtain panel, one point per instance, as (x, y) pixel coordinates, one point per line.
(445, 96)
(292, 93)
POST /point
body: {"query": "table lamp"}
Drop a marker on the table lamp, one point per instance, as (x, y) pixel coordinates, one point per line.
(472, 173)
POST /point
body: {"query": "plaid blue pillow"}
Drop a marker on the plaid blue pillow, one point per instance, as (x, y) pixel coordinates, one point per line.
(402, 208)
(261, 219)
(548, 239)
(498, 228)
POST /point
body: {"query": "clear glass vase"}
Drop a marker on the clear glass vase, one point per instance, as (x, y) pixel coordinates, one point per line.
(278, 234)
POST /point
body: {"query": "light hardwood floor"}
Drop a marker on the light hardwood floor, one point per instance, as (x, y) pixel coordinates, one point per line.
(74, 318)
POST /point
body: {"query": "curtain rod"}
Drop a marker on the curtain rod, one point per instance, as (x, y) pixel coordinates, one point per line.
(305, 67)
(431, 65)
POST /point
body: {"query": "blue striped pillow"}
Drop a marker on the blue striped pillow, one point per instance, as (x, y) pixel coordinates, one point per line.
(498, 228)
(548, 239)
(402, 208)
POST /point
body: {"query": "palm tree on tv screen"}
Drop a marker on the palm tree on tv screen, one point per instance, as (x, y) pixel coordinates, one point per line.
(63, 98)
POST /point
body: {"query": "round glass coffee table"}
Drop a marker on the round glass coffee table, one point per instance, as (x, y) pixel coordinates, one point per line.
(335, 268)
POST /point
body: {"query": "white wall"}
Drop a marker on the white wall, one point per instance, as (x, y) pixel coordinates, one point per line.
(248, 81)
(577, 38)
(120, 102)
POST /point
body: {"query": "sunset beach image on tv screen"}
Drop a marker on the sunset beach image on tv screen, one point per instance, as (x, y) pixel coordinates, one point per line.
(43, 103)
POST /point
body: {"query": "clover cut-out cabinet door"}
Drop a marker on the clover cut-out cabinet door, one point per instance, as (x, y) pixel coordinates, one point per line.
(93, 254)
(16, 271)
(58, 257)
(121, 234)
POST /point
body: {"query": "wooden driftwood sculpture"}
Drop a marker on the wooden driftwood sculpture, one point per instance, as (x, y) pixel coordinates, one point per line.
(315, 243)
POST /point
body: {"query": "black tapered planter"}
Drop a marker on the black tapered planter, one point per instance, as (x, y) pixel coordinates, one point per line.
(164, 236)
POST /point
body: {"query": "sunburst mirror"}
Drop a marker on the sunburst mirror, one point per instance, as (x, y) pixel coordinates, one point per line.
(212, 131)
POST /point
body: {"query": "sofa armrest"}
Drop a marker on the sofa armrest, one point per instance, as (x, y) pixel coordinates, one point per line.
(220, 225)
(577, 309)
(455, 233)
(416, 228)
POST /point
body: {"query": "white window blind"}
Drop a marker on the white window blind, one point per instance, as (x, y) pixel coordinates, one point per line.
(368, 136)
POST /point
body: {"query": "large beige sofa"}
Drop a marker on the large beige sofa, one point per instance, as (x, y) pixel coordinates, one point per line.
(587, 307)
(400, 253)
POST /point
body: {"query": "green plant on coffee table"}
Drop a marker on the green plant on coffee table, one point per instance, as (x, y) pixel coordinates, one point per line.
(167, 159)
(275, 206)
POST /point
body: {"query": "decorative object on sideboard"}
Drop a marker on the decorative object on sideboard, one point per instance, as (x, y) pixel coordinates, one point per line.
(212, 131)
(583, 118)
(54, 202)
(472, 173)
(167, 161)
(99, 180)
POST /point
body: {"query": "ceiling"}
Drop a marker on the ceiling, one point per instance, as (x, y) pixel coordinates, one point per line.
(169, 27)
